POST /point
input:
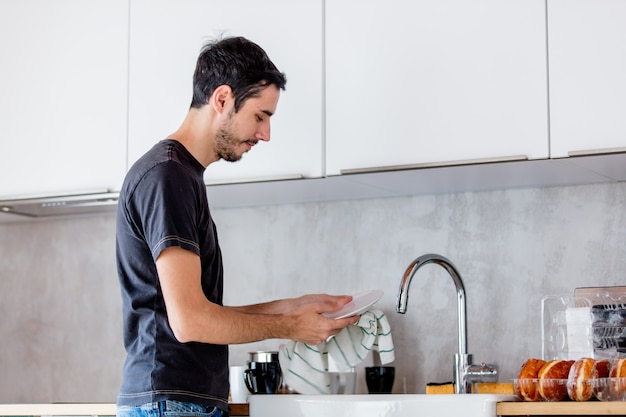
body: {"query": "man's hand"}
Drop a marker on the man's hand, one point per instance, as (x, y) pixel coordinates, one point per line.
(310, 325)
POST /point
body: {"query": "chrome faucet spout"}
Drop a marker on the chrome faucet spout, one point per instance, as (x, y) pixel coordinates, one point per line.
(403, 294)
(465, 373)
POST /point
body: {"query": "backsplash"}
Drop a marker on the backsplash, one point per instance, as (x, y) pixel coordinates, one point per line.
(59, 296)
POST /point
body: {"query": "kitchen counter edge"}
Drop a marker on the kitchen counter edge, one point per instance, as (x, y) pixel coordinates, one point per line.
(82, 409)
(513, 408)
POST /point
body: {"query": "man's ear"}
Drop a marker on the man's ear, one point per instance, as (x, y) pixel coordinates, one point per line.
(221, 96)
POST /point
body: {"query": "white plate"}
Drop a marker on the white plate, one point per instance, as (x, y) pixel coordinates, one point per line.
(359, 305)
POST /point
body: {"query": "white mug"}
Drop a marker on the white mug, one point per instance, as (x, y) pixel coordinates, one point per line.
(238, 391)
(342, 382)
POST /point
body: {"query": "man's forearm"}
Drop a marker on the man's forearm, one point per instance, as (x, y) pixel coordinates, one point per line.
(271, 307)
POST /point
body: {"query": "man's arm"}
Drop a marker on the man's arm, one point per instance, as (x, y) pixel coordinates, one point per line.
(290, 304)
(194, 318)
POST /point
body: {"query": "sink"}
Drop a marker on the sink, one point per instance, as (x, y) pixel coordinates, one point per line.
(377, 405)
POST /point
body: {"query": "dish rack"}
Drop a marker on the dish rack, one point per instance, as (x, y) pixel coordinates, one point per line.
(589, 324)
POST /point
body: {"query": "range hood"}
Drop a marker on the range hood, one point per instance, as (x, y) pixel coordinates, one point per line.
(62, 205)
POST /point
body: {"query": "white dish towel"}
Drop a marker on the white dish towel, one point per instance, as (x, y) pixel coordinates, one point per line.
(305, 367)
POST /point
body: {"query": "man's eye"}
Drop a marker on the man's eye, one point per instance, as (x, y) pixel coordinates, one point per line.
(259, 118)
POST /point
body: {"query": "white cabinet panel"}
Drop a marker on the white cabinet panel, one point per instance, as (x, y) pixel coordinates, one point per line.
(587, 60)
(64, 95)
(415, 81)
(166, 37)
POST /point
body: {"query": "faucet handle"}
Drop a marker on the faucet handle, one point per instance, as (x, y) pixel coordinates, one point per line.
(484, 372)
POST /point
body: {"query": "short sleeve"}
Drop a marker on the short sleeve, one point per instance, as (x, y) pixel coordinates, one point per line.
(166, 202)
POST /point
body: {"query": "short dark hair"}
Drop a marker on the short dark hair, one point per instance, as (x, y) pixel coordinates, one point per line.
(237, 62)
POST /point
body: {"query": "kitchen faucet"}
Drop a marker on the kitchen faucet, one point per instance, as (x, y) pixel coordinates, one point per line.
(465, 373)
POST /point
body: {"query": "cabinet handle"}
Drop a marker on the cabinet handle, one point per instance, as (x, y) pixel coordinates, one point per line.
(441, 164)
(255, 179)
(591, 152)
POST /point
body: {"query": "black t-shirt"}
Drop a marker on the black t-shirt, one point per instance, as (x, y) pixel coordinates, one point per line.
(163, 203)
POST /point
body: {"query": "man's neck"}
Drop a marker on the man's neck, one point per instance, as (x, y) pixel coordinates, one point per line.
(196, 134)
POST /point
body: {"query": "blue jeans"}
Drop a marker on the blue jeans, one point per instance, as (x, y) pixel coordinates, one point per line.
(168, 408)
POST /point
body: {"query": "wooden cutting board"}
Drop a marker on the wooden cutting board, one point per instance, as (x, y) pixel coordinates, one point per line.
(561, 408)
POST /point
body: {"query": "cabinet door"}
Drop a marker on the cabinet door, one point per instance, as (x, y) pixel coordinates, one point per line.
(166, 37)
(64, 95)
(587, 61)
(419, 82)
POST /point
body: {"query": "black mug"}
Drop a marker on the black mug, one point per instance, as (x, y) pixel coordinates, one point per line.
(379, 379)
(263, 377)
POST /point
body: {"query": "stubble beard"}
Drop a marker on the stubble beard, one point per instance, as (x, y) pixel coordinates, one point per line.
(226, 142)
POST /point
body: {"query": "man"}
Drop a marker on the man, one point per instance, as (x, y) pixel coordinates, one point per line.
(176, 330)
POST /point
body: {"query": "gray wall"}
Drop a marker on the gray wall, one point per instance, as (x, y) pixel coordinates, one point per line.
(59, 297)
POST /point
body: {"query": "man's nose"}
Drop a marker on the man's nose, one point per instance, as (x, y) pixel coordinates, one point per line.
(263, 133)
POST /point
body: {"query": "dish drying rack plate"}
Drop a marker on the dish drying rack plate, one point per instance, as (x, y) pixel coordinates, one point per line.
(576, 326)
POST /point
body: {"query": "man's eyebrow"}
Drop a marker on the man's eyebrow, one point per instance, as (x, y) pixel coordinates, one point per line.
(269, 113)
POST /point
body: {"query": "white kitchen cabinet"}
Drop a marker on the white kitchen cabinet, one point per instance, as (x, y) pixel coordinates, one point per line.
(64, 95)
(165, 39)
(587, 61)
(419, 82)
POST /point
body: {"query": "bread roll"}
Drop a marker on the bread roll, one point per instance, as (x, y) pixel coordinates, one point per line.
(579, 380)
(618, 368)
(526, 387)
(601, 371)
(618, 375)
(553, 380)
(601, 368)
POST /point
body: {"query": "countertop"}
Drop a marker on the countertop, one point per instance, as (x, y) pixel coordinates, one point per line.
(563, 408)
(82, 409)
